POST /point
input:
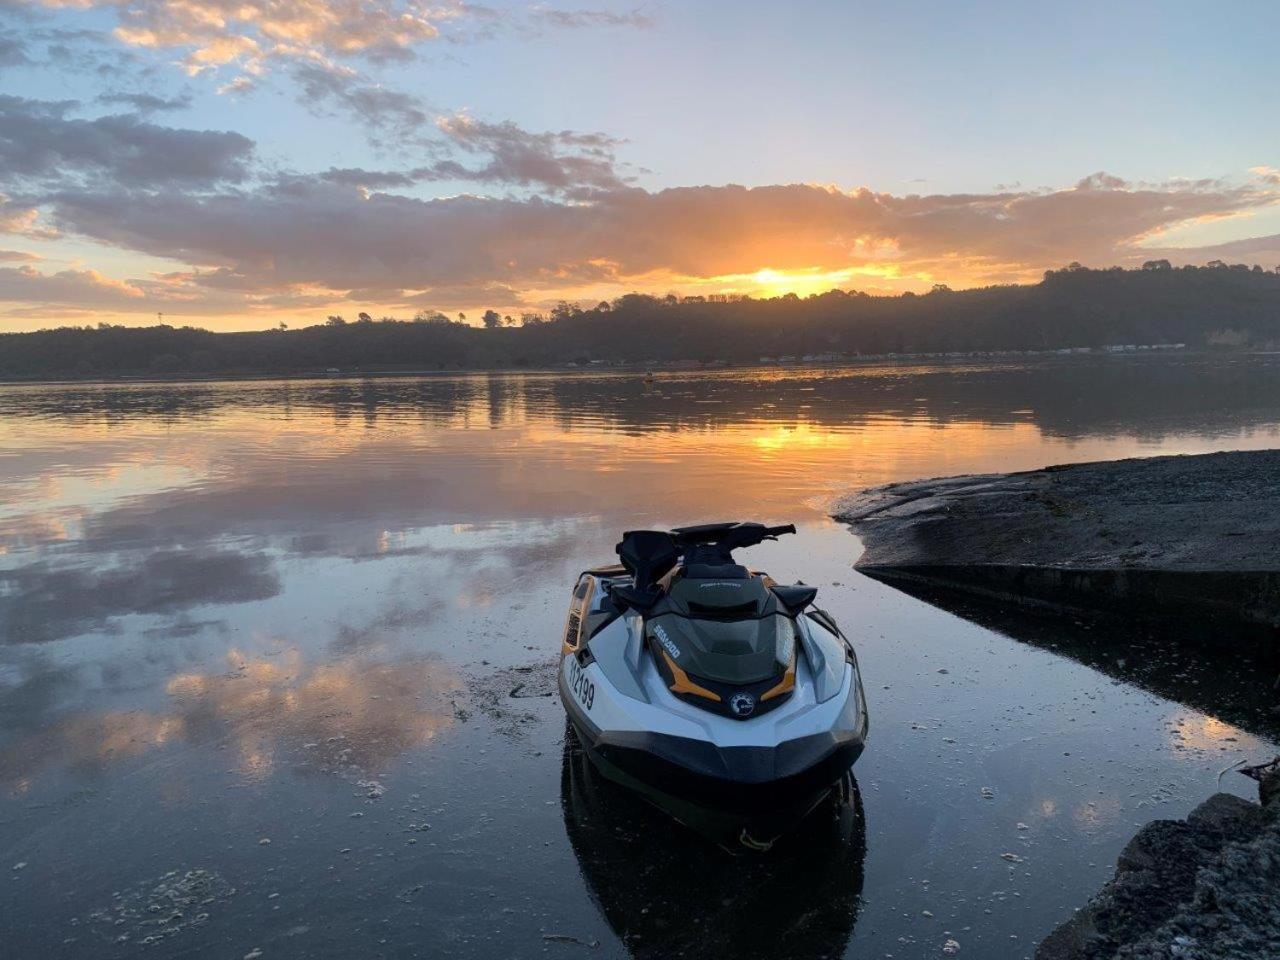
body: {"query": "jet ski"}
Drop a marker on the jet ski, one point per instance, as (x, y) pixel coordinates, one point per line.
(681, 668)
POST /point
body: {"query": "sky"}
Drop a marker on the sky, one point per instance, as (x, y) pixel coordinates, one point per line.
(237, 164)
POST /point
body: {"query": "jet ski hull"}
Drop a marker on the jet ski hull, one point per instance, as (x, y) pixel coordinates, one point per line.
(747, 776)
(722, 775)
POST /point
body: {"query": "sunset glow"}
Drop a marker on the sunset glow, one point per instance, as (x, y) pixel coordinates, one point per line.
(242, 165)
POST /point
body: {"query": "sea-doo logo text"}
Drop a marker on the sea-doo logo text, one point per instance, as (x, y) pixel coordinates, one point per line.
(720, 583)
(742, 705)
(667, 643)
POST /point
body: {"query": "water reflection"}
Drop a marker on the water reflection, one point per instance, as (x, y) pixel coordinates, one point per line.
(669, 889)
(1229, 675)
(44, 601)
(1071, 399)
(347, 717)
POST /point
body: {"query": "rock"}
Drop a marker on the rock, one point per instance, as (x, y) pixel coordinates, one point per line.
(951, 948)
(1203, 889)
(1224, 813)
(1206, 530)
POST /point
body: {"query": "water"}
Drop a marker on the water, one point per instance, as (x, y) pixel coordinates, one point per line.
(259, 640)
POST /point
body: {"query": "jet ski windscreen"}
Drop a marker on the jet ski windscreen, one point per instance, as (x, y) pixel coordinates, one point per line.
(726, 651)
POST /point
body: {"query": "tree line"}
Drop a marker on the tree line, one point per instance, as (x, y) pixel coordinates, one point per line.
(1216, 306)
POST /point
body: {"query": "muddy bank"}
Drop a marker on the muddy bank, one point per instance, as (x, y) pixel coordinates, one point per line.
(1178, 536)
(1199, 888)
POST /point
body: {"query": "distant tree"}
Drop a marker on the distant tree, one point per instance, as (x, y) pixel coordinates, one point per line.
(491, 320)
(564, 310)
(1075, 266)
(462, 317)
(166, 363)
(532, 319)
(509, 320)
(940, 288)
(1216, 265)
(604, 306)
(634, 302)
(334, 320)
(1157, 265)
(363, 318)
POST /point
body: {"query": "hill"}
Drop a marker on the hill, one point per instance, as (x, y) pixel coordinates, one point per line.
(1214, 306)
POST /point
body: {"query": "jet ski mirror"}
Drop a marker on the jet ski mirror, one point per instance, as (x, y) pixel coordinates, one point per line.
(795, 598)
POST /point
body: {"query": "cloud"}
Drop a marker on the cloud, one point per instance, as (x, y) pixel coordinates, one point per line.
(559, 161)
(580, 19)
(17, 256)
(325, 234)
(22, 220)
(215, 33)
(146, 102)
(1263, 250)
(13, 50)
(39, 141)
(565, 162)
(218, 32)
(324, 83)
(26, 284)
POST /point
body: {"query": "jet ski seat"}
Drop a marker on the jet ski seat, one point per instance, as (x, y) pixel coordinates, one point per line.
(716, 571)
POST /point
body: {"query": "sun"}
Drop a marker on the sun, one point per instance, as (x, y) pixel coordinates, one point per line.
(777, 283)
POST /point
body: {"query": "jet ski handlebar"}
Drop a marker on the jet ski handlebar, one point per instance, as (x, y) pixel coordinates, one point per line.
(729, 535)
(649, 554)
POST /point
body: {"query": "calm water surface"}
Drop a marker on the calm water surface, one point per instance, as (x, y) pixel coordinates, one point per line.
(258, 640)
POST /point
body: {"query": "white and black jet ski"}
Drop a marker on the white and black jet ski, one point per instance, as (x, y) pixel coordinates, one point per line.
(683, 669)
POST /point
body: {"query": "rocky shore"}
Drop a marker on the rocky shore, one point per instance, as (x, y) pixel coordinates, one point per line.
(1204, 888)
(1182, 536)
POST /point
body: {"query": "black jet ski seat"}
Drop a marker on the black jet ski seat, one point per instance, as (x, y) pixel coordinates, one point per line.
(709, 561)
(716, 571)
